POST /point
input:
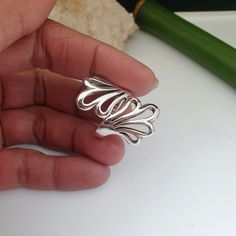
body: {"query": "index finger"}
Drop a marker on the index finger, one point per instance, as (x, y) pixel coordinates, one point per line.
(72, 54)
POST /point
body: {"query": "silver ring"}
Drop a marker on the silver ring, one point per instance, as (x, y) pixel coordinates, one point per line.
(120, 113)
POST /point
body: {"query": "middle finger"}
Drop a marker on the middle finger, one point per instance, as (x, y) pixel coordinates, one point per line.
(56, 130)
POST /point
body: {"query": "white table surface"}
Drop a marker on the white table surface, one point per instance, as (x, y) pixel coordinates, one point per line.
(180, 182)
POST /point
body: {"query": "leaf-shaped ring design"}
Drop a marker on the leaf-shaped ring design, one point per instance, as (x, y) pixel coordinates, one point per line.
(120, 112)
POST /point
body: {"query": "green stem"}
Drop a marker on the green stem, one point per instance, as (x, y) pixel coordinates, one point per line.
(204, 48)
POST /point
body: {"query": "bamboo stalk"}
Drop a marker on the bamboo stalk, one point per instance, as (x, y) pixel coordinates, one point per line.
(204, 48)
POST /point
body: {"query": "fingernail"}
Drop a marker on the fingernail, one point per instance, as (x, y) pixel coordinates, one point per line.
(156, 83)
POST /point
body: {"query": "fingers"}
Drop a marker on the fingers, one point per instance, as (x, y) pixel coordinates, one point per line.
(72, 54)
(40, 87)
(32, 169)
(19, 18)
(52, 129)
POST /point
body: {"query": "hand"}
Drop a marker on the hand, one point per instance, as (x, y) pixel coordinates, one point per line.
(38, 105)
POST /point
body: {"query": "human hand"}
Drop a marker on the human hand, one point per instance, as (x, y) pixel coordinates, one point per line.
(38, 105)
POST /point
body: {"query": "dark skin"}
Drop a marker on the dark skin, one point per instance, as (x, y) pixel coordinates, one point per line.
(38, 58)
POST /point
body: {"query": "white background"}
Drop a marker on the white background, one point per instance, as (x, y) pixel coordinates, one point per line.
(180, 182)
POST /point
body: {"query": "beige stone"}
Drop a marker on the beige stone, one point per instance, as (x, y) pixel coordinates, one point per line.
(105, 20)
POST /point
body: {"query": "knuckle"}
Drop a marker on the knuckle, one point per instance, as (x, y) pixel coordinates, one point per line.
(39, 129)
(23, 170)
(56, 183)
(40, 92)
(64, 54)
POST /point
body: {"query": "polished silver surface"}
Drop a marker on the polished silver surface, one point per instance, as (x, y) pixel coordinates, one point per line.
(119, 111)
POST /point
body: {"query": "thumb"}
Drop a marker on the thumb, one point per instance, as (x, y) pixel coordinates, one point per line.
(19, 18)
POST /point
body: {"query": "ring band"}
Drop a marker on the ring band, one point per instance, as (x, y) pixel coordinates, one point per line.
(120, 112)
